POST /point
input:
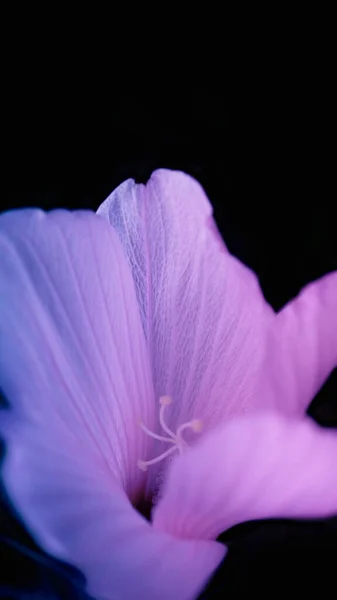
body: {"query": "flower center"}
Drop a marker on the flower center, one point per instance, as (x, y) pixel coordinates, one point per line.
(176, 439)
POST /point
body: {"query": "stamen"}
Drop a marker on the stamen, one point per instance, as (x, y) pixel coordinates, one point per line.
(175, 438)
(155, 435)
(195, 425)
(143, 464)
(164, 401)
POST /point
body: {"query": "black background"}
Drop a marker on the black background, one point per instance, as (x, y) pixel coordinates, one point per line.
(266, 161)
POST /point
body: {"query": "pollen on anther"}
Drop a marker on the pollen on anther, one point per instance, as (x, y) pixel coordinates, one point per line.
(142, 465)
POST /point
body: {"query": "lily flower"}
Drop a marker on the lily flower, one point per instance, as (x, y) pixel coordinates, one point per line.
(144, 368)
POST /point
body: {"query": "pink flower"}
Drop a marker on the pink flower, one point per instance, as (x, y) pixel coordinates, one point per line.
(100, 317)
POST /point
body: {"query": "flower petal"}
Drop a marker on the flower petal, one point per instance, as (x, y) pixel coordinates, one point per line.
(81, 517)
(303, 346)
(72, 348)
(250, 468)
(203, 313)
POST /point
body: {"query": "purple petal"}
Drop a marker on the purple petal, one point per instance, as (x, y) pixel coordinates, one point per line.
(203, 313)
(81, 516)
(72, 350)
(303, 346)
(250, 468)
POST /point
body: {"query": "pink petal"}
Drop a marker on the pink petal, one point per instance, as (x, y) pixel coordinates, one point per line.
(303, 346)
(80, 516)
(250, 468)
(203, 313)
(72, 349)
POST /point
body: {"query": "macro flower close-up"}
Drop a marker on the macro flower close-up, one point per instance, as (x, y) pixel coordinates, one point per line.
(155, 398)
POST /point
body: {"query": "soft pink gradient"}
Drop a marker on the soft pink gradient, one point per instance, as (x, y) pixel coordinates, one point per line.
(97, 321)
(250, 468)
